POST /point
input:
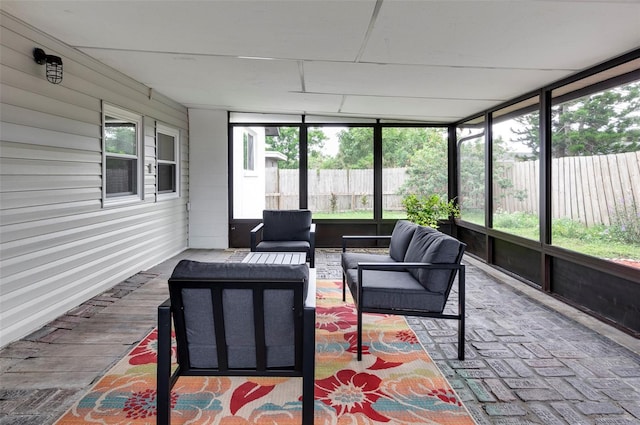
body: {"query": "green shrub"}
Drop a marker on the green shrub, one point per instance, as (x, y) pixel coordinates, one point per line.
(427, 210)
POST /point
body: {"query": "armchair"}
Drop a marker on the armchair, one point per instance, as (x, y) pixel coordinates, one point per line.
(285, 230)
(238, 319)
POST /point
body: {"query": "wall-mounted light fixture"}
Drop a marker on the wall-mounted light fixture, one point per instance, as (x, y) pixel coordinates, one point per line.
(53, 63)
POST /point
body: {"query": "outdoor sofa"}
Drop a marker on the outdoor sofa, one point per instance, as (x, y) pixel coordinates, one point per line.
(414, 278)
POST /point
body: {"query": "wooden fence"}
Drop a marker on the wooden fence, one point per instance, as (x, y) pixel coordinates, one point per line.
(334, 190)
(588, 189)
(584, 188)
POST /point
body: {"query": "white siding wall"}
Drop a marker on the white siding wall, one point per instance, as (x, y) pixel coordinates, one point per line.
(58, 245)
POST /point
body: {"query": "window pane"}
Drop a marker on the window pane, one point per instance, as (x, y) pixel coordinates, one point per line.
(282, 162)
(595, 173)
(166, 147)
(273, 180)
(121, 176)
(340, 174)
(249, 152)
(516, 173)
(166, 178)
(120, 136)
(414, 161)
(471, 150)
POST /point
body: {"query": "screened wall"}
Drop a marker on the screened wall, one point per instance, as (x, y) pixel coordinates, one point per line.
(548, 184)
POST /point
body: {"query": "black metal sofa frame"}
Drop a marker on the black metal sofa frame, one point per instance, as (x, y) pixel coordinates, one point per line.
(215, 304)
(414, 279)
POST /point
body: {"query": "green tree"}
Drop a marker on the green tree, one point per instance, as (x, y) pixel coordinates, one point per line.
(472, 174)
(597, 124)
(120, 138)
(424, 153)
(287, 142)
(400, 144)
(355, 149)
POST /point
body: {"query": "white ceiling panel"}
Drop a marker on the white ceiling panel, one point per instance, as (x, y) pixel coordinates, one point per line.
(531, 34)
(203, 72)
(424, 81)
(331, 30)
(275, 102)
(436, 110)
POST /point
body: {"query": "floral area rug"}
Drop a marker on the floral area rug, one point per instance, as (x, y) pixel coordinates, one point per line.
(395, 383)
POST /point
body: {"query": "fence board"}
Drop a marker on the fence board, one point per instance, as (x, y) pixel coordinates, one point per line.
(634, 172)
(584, 186)
(600, 169)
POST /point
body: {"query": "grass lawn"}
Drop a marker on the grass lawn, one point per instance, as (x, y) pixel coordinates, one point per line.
(595, 241)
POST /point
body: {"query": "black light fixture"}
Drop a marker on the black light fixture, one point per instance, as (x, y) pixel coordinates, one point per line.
(54, 65)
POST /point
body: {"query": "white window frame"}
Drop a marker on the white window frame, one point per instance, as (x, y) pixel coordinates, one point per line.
(175, 133)
(117, 112)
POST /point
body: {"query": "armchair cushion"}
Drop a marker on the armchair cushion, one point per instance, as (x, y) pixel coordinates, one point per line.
(275, 246)
(286, 225)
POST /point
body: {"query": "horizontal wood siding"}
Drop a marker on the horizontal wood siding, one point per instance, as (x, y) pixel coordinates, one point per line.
(58, 245)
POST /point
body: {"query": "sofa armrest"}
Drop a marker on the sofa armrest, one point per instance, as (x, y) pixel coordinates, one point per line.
(347, 238)
(254, 235)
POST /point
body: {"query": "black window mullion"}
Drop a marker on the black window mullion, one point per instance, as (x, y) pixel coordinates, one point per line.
(304, 165)
(377, 172)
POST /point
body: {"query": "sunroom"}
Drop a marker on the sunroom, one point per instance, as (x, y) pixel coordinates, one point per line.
(492, 81)
(526, 114)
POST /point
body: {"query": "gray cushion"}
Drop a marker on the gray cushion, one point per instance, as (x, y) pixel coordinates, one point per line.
(443, 250)
(284, 246)
(286, 225)
(350, 260)
(188, 269)
(394, 290)
(239, 329)
(400, 239)
(422, 238)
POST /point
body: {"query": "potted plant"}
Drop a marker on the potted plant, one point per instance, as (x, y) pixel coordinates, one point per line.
(427, 210)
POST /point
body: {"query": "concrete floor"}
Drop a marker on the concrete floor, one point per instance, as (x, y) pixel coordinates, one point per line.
(530, 359)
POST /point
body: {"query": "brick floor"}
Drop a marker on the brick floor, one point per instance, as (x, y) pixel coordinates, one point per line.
(530, 359)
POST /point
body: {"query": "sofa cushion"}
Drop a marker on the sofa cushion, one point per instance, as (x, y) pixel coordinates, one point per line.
(350, 260)
(400, 239)
(422, 237)
(443, 250)
(286, 225)
(394, 290)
